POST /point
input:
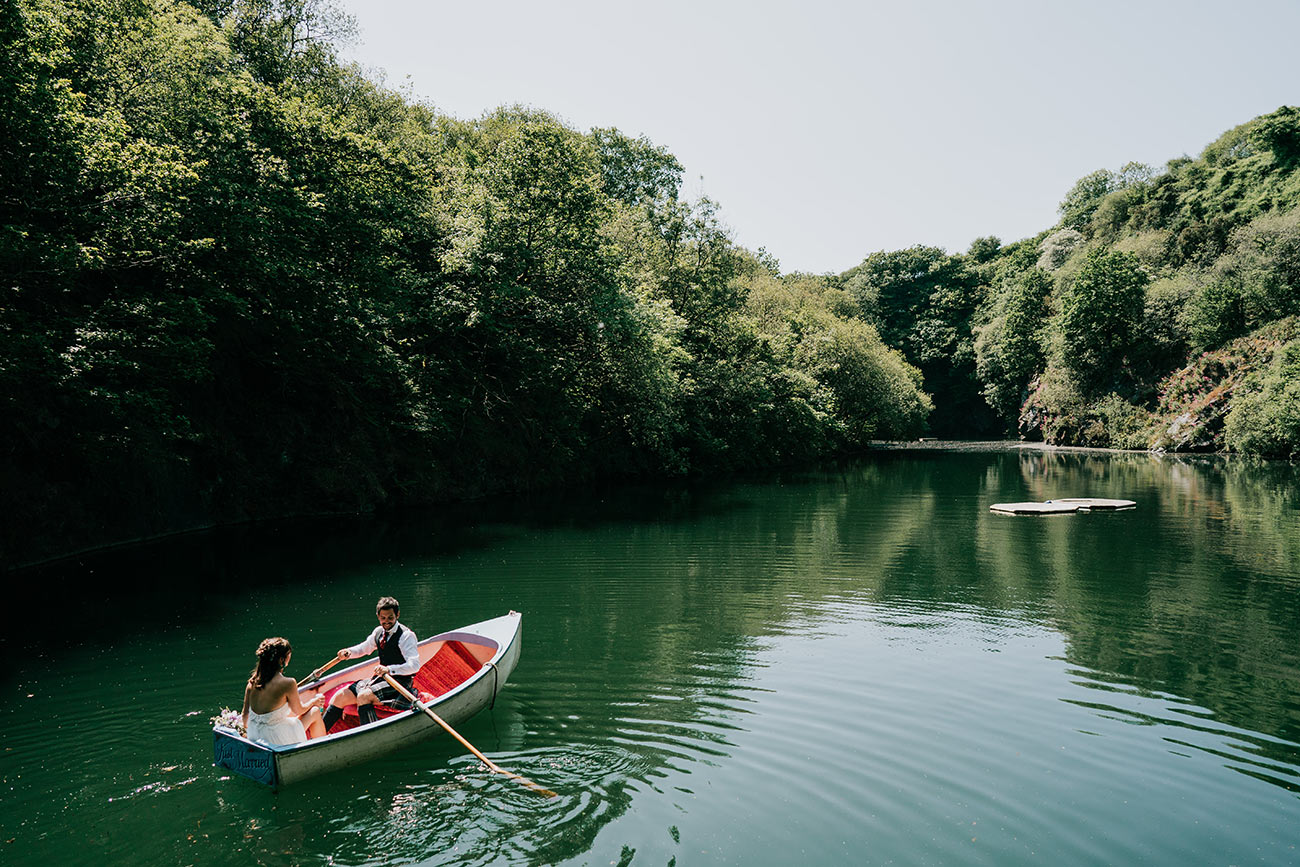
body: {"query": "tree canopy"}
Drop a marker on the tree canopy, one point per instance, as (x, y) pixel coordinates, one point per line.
(245, 280)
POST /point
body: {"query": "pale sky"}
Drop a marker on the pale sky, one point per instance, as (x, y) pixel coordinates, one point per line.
(827, 131)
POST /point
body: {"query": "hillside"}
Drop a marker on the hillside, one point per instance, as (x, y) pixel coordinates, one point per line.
(1159, 313)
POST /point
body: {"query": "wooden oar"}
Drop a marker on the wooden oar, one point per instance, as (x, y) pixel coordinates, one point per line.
(466, 744)
(315, 675)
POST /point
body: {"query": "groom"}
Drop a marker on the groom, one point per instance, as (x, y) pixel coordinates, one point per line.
(398, 656)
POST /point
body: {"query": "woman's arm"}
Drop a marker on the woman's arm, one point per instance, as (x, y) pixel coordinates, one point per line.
(296, 707)
(248, 697)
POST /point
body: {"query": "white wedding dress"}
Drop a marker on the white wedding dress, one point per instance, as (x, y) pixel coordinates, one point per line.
(279, 726)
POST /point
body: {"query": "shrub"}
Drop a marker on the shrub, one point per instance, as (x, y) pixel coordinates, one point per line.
(1057, 247)
(1099, 313)
(1151, 246)
(1054, 408)
(1265, 416)
(1161, 336)
(1214, 314)
(1195, 401)
(1123, 425)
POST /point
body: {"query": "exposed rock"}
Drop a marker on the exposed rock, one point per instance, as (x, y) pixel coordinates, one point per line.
(1031, 422)
(1199, 429)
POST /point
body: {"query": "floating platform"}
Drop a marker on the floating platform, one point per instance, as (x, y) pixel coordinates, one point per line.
(1097, 504)
(1065, 506)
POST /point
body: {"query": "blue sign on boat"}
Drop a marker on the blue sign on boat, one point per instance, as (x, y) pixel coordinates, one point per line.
(238, 755)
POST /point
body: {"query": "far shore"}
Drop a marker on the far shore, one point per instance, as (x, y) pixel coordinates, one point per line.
(932, 444)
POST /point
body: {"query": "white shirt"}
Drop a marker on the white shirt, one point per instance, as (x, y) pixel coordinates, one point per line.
(408, 644)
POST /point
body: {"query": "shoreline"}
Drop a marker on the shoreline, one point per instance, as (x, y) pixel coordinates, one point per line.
(1022, 445)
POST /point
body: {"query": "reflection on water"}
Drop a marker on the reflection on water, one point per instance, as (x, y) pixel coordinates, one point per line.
(857, 664)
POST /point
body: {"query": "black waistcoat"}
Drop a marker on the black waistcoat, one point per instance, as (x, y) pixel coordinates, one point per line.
(391, 654)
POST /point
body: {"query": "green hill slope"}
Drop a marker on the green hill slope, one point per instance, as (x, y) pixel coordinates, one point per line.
(1159, 313)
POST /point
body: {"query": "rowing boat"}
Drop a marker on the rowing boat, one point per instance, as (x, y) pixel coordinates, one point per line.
(461, 673)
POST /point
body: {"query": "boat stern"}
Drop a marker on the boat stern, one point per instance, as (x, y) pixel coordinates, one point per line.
(242, 756)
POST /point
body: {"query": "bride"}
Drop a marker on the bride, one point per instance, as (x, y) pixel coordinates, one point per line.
(273, 712)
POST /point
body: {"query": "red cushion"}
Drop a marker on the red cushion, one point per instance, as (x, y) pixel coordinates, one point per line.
(466, 654)
(447, 669)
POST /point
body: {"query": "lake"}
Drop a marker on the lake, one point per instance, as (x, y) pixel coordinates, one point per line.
(860, 664)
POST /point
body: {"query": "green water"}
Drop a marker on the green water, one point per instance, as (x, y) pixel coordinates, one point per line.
(861, 665)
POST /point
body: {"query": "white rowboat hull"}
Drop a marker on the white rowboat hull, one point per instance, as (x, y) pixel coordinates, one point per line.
(281, 765)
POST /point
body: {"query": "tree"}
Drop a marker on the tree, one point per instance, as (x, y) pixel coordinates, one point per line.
(1134, 174)
(635, 170)
(1083, 199)
(1009, 348)
(1279, 132)
(283, 40)
(1100, 311)
(984, 249)
(852, 384)
(922, 301)
(1057, 247)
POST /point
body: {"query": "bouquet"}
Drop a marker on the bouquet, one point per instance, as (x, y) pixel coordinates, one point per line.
(230, 719)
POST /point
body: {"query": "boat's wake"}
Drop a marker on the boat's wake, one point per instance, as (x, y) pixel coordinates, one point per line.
(469, 815)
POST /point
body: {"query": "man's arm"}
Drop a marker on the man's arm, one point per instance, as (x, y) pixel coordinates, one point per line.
(410, 646)
(365, 648)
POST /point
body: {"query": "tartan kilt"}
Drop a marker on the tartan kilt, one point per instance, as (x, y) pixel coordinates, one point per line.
(385, 693)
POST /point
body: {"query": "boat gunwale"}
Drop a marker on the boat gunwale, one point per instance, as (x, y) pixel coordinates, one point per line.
(278, 750)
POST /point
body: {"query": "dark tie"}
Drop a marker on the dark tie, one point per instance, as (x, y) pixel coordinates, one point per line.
(383, 639)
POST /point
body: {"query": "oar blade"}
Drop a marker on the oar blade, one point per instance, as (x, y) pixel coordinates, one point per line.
(466, 744)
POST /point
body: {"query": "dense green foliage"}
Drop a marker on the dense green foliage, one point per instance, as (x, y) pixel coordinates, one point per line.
(1098, 316)
(1008, 347)
(1265, 418)
(243, 280)
(1159, 313)
(922, 301)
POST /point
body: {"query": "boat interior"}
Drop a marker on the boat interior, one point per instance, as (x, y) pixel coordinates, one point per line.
(446, 663)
